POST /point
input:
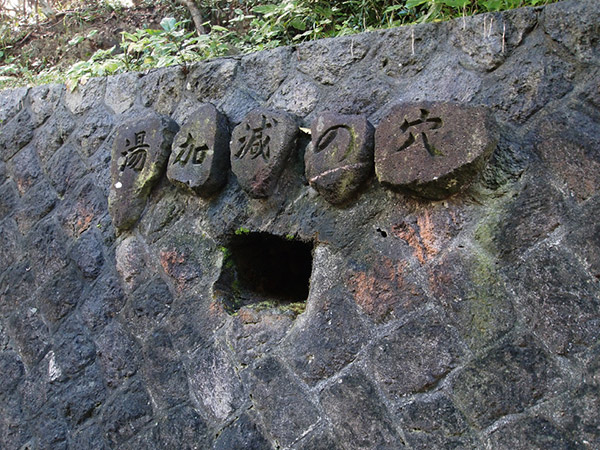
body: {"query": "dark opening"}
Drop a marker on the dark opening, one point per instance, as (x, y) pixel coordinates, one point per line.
(261, 268)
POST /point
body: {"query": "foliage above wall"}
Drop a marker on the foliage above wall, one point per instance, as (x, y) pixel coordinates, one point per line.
(230, 27)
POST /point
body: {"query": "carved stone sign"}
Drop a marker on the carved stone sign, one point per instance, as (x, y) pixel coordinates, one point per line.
(139, 155)
(340, 157)
(199, 160)
(432, 149)
(260, 147)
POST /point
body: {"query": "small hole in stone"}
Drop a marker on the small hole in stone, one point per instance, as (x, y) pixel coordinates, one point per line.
(265, 271)
(384, 63)
(383, 233)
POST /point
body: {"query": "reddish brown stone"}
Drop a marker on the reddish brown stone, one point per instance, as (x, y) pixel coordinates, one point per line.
(139, 155)
(260, 147)
(340, 158)
(200, 158)
(432, 149)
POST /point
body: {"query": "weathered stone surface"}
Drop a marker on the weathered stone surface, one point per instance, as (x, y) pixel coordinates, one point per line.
(358, 415)
(465, 323)
(260, 148)
(242, 433)
(342, 335)
(340, 158)
(167, 380)
(415, 357)
(43, 100)
(569, 318)
(105, 299)
(120, 92)
(530, 433)
(60, 295)
(182, 427)
(280, 400)
(214, 385)
(432, 149)
(16, 134)
(434, 422)
(29, 333)
(139, 156)
(118, 354)
(507, 380)
(54, 133)
(126, 414)
(472, 292)
(25, 169)
(87, 254)
(199, 160)
(148, 306)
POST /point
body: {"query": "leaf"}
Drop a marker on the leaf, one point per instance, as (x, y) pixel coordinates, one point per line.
(168, 24)
(76, 40)
(219, 28)
(413, 3)
(456, 3)
(393, 8)
(298, 24)
(265, 9)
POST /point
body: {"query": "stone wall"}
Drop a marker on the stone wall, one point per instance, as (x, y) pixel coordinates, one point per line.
(470, 320)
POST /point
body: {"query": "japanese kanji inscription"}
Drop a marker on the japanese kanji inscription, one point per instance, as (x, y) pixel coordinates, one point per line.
(260, 147)
(199, 161)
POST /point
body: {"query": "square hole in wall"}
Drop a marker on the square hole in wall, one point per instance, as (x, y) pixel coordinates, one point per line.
(265, 270)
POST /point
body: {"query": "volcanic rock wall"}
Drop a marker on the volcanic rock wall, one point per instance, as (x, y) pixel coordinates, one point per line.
(273, 307)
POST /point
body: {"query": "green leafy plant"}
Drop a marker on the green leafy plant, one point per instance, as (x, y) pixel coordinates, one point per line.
(235, 26)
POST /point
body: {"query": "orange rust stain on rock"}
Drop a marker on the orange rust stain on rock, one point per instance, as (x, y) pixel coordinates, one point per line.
(169, 260)
(410, 234)
(379, 291)
(83, 221)
(427, 236)
(215, 309)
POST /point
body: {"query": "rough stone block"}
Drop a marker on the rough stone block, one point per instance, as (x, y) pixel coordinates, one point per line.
(342, 335)
(118, 353)
(16, 134)
(82, 396)
(25, 169)
(467, 284)
(182, 427)
(73, 347)
(127, 413)
(260, 148)
(506, 381)
(91, 132)
(199, 160)
(30, 334)
(242, 433)
(164, 371)
(104, 300)
(12, 370)
(416, 356)
(432, 149)
(87, 254)
(214, 386)
(60, 295)
(559, 299)
(340, 158)
(434, 422)
(358, 415)
(286, 410)
(530, 433)
(44, 100)
(54, 133)
(147, 306)
(35, 205)
(139, 156)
